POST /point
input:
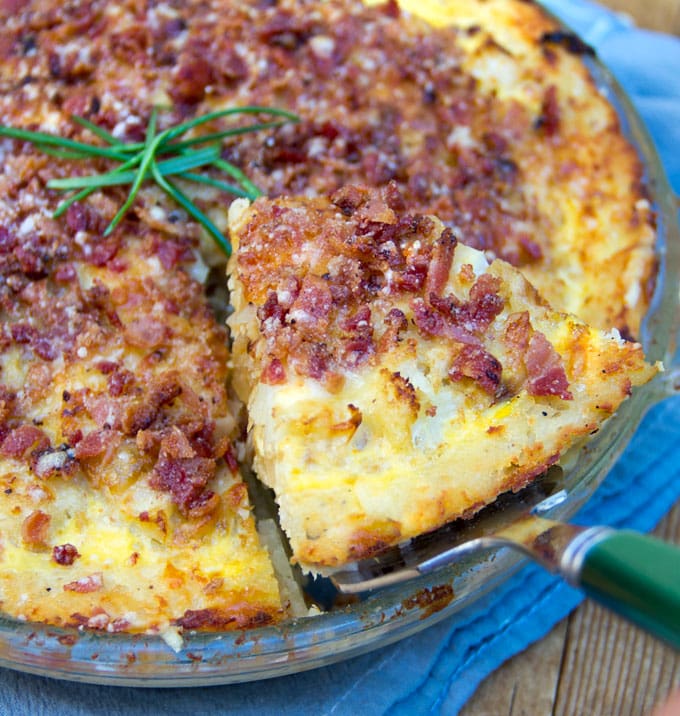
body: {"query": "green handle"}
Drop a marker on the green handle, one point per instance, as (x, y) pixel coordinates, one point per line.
(639, 578)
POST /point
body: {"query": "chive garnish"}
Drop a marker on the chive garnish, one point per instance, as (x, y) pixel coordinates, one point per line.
(157, 158)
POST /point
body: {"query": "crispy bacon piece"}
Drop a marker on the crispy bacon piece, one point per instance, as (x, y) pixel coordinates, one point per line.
(312, 307)
(439, 321)
(478, 364)
(220, 618)
(485, 303)
(34, 528)
(92, 583)
(65, 554)
(545, 370)
(274, 373)
(96, 443)
(162, 392)
(359, 346)
(147, 332)
(440, 264)
(23, 438)
(184, 478)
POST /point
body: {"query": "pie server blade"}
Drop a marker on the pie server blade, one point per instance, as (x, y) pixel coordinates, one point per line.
(630, 573)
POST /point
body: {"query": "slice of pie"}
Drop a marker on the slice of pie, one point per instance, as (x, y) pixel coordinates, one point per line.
(394, 379)
(123, 507)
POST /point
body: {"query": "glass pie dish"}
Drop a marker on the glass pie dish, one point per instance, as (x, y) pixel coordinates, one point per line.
(395, 612)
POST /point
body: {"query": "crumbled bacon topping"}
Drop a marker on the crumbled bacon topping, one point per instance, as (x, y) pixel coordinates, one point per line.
(35, 527)
(65, 554)
(478, 364)
(545, 369)
(91, 583)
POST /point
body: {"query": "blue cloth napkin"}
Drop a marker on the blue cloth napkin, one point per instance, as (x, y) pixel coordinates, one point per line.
(435, 671)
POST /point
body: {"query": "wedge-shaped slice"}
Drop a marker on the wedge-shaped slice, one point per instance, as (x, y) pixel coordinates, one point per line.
(122, 504)
(394, 379)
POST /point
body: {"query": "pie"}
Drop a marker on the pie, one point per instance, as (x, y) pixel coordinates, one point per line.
(122, 443)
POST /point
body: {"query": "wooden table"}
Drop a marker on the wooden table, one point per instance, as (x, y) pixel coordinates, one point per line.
(661, 15)
(592, 663)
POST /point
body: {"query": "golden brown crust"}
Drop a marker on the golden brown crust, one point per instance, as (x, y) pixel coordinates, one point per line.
(488, 119)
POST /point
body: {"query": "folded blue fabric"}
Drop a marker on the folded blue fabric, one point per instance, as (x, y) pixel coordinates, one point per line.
(437, 670)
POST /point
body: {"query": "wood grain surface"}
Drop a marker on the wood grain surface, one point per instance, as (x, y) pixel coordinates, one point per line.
(663, 15)
(591, 664)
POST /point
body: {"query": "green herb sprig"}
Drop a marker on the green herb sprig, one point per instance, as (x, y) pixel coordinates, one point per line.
(160, 156)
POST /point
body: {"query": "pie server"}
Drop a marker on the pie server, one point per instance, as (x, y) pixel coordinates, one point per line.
(630, 573)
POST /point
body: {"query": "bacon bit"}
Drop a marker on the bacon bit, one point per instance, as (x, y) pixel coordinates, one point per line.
(35, 527)
(175, 445)
(171, 252)
(239, 616)
(311, 309)
(440, 263)
(118, 625)
(84, 217)
(107, 366)
(105, 411)
(120, 381)
(272, 314)
(391, 9)
(192, 76)
(349, 198)
(206, 503)
(438, 321)
(315, 359)
(274, 373)
(184, 479)
(23, 438)
(92, 583)
(285, 30)
(476, 363)
(545, 370)
(45, 349)
(204, 618)
(549, 120)
(96, 443)
(531, 248)
(485, 303)
(65, 554)
(103, 252)
(517, 333)
(22, 333)
(162, 392)
(147, 332)
(358, 348)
